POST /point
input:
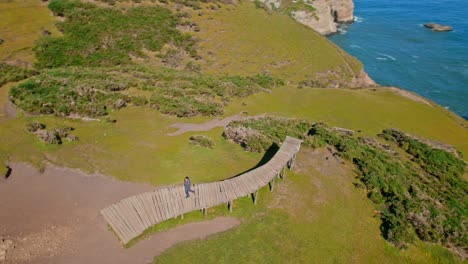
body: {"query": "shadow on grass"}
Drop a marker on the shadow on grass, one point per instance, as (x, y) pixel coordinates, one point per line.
(271, 151)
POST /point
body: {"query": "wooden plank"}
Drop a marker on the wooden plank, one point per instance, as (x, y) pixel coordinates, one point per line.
(141, 212)
(139, 226)
(127, 234)
(118, 213)
(156, 202)
(150, 207)
(170, 202)
(114, 224)
(167, 198)
(127, 218)
(162, 205)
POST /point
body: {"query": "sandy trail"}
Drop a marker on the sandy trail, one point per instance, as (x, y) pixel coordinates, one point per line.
(189, 127)
(53, 217)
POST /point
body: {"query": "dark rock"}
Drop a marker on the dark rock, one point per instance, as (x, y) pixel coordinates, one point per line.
(63, 131)
(1, 41)
(438, 27)
(71, 137)
(119, 103)
(46, 32)
(110, 120)
(49, 137)
(35, 126)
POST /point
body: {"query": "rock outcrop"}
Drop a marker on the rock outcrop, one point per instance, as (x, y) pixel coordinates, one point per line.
(438, 27)
(327, 16)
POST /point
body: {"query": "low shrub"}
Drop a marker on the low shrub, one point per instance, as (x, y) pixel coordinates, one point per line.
(9, 73)
(424, 197)
(202, 141)
(98, 36)
(93, 92)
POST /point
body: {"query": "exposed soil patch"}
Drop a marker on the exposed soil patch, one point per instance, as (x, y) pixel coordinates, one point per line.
(189, 127)
(9, 110)
(53, 217)
(410, 95)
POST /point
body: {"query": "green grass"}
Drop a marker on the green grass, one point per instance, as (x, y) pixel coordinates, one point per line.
(425, 196)
(399, 188)
(311, 217)
(9, 73)
(98, 36)
(365, 110)
(289, 6)
(274, 43)
(20, 26)
(318, 218)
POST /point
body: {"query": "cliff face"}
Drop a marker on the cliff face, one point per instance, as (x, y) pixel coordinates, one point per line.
(327, 15)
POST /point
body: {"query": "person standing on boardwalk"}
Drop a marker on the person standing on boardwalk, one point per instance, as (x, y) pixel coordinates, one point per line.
(187, 187)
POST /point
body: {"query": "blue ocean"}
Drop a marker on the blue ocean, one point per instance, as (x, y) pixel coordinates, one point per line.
(389, 38)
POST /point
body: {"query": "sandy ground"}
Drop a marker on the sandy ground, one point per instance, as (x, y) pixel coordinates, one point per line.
(53, 217)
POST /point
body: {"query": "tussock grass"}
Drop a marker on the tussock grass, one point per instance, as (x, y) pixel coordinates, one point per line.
(94, 92)
(9, 73)
(98, 36)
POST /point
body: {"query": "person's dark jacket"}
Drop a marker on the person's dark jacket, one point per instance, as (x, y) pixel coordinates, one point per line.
(187, 185)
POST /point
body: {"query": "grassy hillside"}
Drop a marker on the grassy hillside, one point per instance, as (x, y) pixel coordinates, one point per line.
(21, 25)
(244, 39)
(315, 215)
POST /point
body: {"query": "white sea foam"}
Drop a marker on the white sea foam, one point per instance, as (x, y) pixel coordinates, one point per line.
(355, 46)
(380, 58)
(387, 56)
(342, 30)
(358, 19)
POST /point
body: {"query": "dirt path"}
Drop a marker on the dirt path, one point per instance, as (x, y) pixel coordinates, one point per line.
(53, 217)
(188, 127)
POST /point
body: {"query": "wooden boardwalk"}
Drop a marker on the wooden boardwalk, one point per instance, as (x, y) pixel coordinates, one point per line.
(133, 215)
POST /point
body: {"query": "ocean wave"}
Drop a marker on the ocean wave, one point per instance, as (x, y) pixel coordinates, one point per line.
(342, 30)
(383, 59)
(358, 19)
(387, 56)
(355, 46)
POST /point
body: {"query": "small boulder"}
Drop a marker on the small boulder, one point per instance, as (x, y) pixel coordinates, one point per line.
(46, 32)
(49, 137)
(71, 137)
(35, 126)
(438, 27)
(1, 41)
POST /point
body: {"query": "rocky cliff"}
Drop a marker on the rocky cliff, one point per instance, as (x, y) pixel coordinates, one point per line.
(327, 15)
(321, 15)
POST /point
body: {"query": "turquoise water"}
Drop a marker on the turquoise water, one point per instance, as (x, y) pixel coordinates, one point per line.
(388, 37)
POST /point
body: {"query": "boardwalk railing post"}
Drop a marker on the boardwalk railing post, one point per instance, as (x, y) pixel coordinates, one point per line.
(230, 206)
(272, 184)
(255, 197)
